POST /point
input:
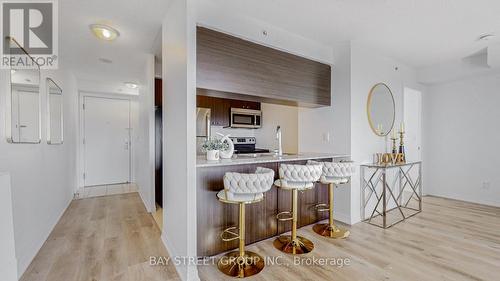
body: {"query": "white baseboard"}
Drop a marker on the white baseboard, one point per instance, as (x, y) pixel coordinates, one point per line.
(172, 253)
(145, 202)
(181, 270)
(493, 203)
(343, 218)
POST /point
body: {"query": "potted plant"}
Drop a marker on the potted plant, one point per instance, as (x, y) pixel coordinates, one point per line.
(213, 147)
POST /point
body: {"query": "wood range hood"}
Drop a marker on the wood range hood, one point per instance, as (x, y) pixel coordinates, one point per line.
(230, 67)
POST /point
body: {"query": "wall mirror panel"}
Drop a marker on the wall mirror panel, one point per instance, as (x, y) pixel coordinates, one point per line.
(54, 113)
(23, 101)
(381, 109)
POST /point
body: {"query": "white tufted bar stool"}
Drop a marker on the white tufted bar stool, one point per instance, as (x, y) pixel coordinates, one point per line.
(243, 189)
(334, 174)
(295, 178)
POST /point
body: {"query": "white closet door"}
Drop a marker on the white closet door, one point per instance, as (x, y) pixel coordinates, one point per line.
(413, 123)
(107, 141)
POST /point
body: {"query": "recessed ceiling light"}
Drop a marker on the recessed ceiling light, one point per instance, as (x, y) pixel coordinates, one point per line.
(131, 85)
(485, 37)
(105, 60)
(104, 32)
(12, 71)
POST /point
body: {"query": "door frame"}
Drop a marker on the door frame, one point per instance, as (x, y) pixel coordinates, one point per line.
(407, 90)
(81, 133)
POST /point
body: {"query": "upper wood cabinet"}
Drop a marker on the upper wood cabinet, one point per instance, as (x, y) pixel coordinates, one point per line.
(220, 107)
(229, 64)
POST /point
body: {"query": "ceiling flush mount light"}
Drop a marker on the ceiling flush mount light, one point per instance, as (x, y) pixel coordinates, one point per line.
(485, 37)
(104, 32)
(131, 85)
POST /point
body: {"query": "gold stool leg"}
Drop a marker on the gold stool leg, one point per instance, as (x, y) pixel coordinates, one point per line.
(330, 229)
(241, 263)
(293, 244)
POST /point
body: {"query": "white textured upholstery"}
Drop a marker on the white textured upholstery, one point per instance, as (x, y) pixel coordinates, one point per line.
(235, 197)
(335, 172)
(259, 182)
(300, 185)
(298, 176)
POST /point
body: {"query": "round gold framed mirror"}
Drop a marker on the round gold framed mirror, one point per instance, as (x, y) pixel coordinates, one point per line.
(381, 109)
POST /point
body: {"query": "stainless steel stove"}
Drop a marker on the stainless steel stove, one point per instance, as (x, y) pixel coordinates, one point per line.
(246, 145)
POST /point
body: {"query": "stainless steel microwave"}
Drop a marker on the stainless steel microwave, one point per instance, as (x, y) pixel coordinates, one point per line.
(245, 118)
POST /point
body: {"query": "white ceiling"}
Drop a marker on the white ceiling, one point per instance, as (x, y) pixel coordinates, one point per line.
(416, 32)
(139, 23)
(420, 33)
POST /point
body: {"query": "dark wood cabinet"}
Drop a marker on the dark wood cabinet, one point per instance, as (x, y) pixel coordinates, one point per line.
(245, 104)
(214, 216)
(228, 64)
(158, 92)
(221, 108)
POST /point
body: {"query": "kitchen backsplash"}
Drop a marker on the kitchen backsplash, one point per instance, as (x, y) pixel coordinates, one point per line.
(272, 116)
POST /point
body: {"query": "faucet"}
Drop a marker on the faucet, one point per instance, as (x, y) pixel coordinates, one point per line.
(278, 137)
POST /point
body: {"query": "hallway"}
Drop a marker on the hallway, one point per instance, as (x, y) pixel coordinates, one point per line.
(103, 238)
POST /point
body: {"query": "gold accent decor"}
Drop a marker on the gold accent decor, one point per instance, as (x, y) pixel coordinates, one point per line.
(402, 145)
(234, 265)
(293, 244)
(400, 158)
(387, 158)
(394, 145)
(330, 229)
(376, 128)
(240, 263)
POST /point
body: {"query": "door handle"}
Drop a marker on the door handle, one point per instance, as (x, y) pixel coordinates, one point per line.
(23, 126)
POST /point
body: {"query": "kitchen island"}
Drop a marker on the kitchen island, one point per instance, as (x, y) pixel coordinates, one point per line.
(214, 216)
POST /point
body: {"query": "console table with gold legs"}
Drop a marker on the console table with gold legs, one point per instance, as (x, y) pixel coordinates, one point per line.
(390, 193)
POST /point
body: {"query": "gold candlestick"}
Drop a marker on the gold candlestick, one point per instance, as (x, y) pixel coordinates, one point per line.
(394, 146)
(402, 145)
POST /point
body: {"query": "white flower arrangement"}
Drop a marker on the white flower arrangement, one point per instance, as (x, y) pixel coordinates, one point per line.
(214, 144)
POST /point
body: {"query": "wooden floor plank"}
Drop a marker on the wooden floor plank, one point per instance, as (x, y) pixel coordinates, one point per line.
(110, 238)
(449, 240)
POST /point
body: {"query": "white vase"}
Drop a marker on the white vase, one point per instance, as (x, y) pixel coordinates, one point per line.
(212, 155)
(227, 154)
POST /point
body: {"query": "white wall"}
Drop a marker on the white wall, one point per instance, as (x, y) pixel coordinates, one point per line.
(179, 133)
(43, 177)
(144, 137)
(213, 15)
(8, 270)
(368, 67)
(461, 125)
(327, 129)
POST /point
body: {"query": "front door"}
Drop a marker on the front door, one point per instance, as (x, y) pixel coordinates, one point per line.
(106, 141)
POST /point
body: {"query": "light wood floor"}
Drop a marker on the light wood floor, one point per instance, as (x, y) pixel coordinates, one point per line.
(158, 216)
(112, 237)
(449, 240)
(107, 238)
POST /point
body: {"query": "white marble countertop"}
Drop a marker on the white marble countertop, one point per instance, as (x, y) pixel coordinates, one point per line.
(202, 162)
